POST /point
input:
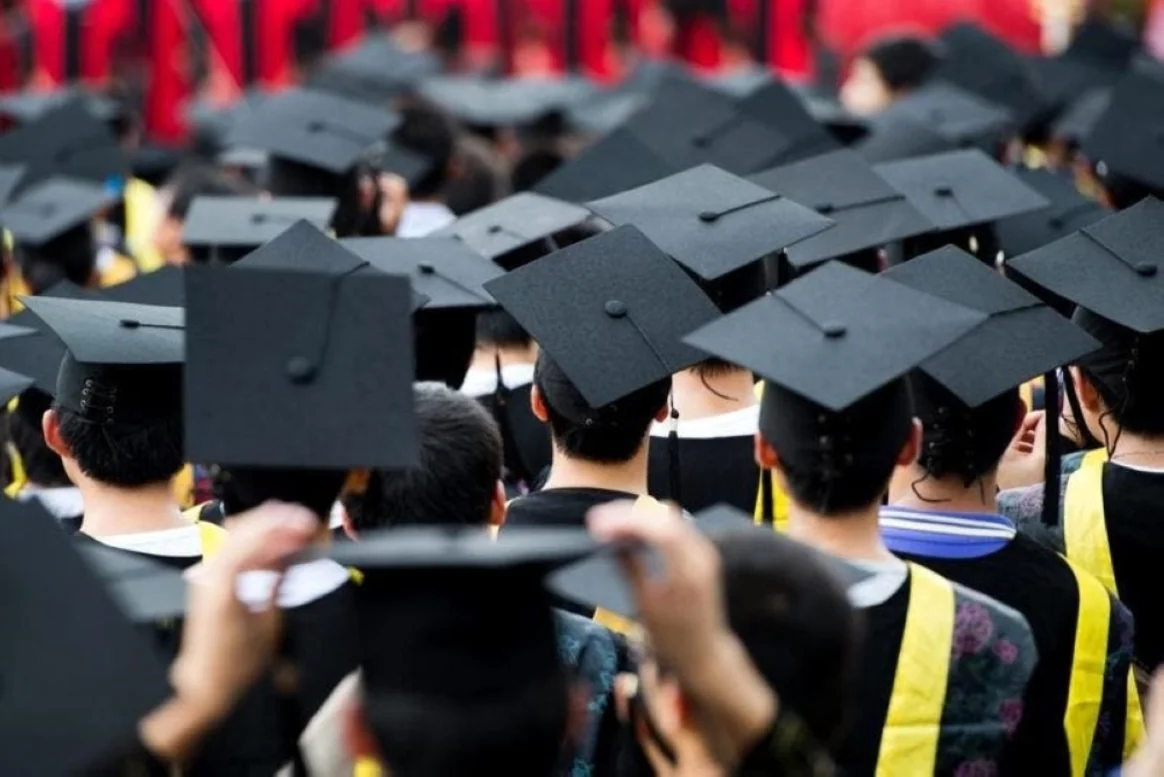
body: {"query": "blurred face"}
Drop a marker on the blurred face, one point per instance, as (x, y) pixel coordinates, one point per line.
(864, 92)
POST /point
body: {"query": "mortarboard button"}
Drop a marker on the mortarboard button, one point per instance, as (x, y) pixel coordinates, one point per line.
(825, 208)
(615, 309)
(425, 269)
(1145, 269)
(300, 370)
(945, 190)
(833, 329)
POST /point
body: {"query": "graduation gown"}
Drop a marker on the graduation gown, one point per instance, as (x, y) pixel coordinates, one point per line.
(716, 461)
(906, 719)
(560, 506)
(1083, 635)
(526, 439)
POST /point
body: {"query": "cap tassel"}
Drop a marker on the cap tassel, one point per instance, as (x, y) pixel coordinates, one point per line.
(1052, 485)
(673, 472)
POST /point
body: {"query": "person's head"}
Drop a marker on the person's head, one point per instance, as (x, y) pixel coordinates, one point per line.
(1120, 386)
(71, 256)
(834, 463)
(960, 446)
(500, 330)
(613, 434)
(42, 466)
(129, 444)
(477, 180)
(457, 476)
(426, 131)
(887, 70)
(731, 292)
(533, 166)
(796, 624)
(188, 185)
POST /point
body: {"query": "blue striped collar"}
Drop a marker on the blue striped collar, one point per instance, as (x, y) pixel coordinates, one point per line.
(944, 534)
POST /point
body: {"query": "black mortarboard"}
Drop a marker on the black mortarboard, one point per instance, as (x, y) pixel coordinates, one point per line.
(867, 212)
(505, 231)
(605, 111)
(212, 122)
(1098, 56)
(1068, 211)
(1111, 268)
(688, 124)
(299, 369)
(163, 286)
(51, 208)
(711, 221)
(960, 188)
(146, 590)
(375, 71)
(225, 229)
(78, 676)
(847, 127)
(488, 102)
(776, 105)
(38, 356)
(987, 66)
(609, 312)
(123, 361)
(836, 335)
(12, 384)
(612, 164)
(66, 141)
(1128, 139)
(443, 269)
(429, 593)
(29, 105)
(1079, 118)
(959, 117)
(598, 581)
(1021, 337)
(895, 136)
(10, 176)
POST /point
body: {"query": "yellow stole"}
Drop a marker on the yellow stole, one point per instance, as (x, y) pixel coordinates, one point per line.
(1086, 543)
(779, 499)
(141, 220)
(211, 535)
(913, 724)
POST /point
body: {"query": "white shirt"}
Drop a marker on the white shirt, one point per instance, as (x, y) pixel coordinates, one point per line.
(423, 218)
(483, 382)
(738, 423)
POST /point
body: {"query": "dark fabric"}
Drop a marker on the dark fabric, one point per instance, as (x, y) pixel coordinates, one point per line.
(559, 506)
(720, 470)
(527, 440)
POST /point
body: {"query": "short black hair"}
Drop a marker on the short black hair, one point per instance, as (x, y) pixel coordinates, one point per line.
(42, 465)
(904, 62)
(796, 623)
(959, 440)
(614, 433)
(71, 256)
(837, 461)
(455, 477)
(519, 735)
(498, 328)
(124, 454)
(1128, 373)
(427, 131)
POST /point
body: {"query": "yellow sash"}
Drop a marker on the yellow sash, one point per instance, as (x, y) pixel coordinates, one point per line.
(779, 498)
(141, 221)
(1085, 540)
(211, 535)
(120, 270)
(909, 742)
(1085, 693)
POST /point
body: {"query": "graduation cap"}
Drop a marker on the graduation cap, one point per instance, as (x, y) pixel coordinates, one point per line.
(1068, 211)
(1079, 118)
(10, 176)
(212, 122)
(960, 189)
(598, 581)
(295, 368)
(957, 116)
(894, 136)
(846, 127)
(428, 593)
(506, 231)
(605, 111)
(1110, 268)
(987, 66)
(512, 102)
(30, 105)
(443, 269)
(1098, 55)
(163, 286)
(52, 208)
(1128, 139)
(837, 334)
(609, 312)
(1020, 338)
(146, 590)
(612, 164)
(225, 229)
(123, 361)
(376, 71)
(12, 383)
(712, 222)
(78, 676)
(66, 141)
(38, 356)
(775, 104)
(688, 124)
(867, 212)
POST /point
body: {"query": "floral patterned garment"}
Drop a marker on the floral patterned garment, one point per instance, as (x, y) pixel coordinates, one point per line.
(1024, 506)
(991, 661)
(592, 654)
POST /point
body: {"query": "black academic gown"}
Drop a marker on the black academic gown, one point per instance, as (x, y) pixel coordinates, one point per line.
(712, 471)
(526, 439)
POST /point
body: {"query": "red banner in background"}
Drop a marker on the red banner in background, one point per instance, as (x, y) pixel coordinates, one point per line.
(77, 43)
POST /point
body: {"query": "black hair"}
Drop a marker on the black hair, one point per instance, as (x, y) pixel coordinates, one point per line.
(199, 181)
(612, 434)
(1128, 373)
(498, 328)
(245, 488)
(958, 440)
(456, 473)
(533, 166)
(904, 62)
(837, 461)
(519, 735)
(428, 132)
(124, 454)
(796, 623)
(42, 465)
(70, 256)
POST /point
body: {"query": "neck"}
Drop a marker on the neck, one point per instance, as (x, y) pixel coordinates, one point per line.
(701, 396)
(912, 488)
(485, 356)
(110, 510)
(854, 535)
(1140, 449)
(569, 472)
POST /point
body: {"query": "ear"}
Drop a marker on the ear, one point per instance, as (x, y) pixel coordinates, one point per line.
(765, 454)
(1089, 398)
(349, 527)
(50, 425)
(664, 412)
(497, 505)
(912, 447)
(537, 404)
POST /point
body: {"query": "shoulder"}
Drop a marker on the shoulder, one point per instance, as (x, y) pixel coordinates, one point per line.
(1024, 506)
(991, 637)
(578, 636)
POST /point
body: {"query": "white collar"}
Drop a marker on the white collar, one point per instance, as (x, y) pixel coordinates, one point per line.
(888, 577)
(302, 584)
(181, 542)
(60, 501)
(738, 423)
(423, 218)
(481, 382)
